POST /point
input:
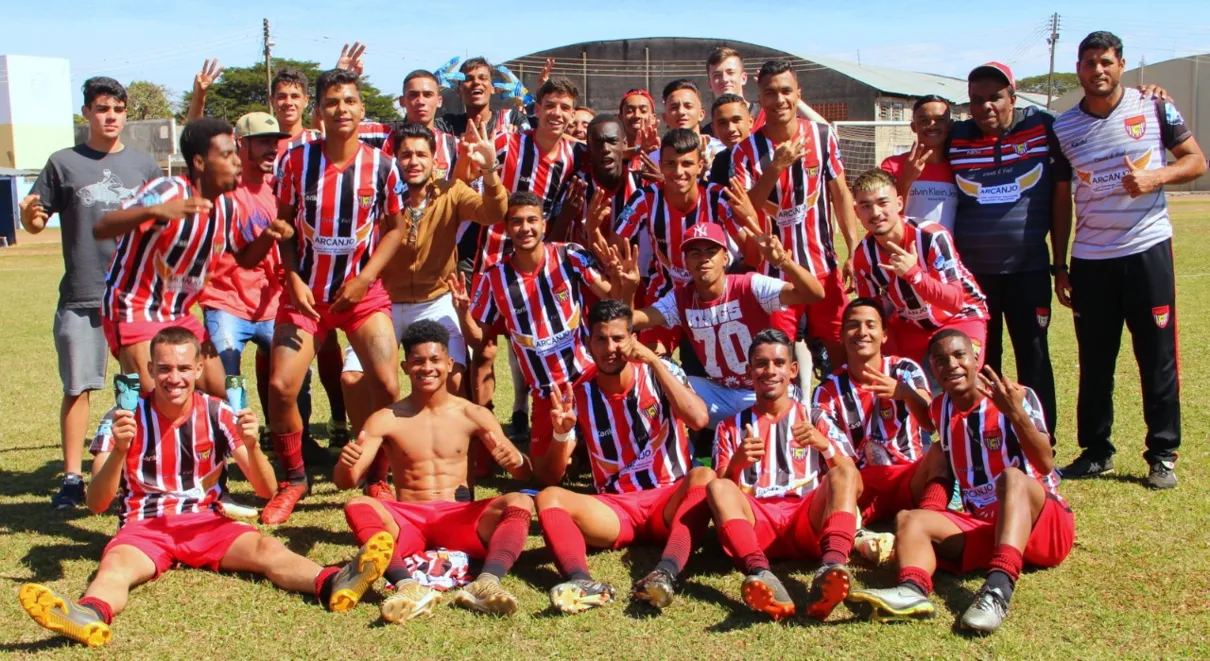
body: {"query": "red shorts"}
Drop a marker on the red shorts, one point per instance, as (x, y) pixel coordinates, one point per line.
(783, 529)
(199, 539)
(125, 333)
(448, 525)
(375, 300)
(640, 513)
(885, 491)
(1050, 541)
(906, 339)
(824, 318)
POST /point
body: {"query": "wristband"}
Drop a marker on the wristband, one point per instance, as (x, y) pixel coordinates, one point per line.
(493, 168)
(564, 437)
(829, 453)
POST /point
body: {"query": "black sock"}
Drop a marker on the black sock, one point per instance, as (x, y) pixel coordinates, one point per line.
(914, 587)
(396, 574)
(579, 576)
(668, 565)
(1001, 581)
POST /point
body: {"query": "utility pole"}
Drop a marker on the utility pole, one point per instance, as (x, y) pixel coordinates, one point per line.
(268, 68)
(1052, 40)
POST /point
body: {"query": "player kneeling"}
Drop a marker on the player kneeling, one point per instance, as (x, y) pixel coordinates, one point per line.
(426, 436)
(773, 498)
(994, 436)
(167, 457)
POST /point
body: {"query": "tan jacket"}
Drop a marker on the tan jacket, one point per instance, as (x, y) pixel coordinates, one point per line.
(416, 272)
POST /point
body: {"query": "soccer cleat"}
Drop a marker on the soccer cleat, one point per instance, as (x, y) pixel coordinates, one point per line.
(380, 490)
(657, 588)
(876, 547)
(71, 493)
(896, 604)
(67, 618)
(484, 595)
(233, 509)
(829, 587)
(352, 581)
(764, 592)
(986, 613)
(281, 505)
(1087, 466)
(580, 595)
(408, 600)
(1162, 475)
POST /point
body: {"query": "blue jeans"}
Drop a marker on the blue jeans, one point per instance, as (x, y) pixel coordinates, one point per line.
(231, 334)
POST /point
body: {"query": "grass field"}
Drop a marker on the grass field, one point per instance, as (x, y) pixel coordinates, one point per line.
(1135, 586)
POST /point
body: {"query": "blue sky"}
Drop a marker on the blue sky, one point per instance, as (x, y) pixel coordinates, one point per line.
(166, 42)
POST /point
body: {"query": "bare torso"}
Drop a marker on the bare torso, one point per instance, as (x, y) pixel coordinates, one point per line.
(428, 448)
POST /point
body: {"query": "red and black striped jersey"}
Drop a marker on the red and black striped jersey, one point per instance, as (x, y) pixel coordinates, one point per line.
(936, 291)
(881, 431)
(631, 184)
(159, 269)
(634, 440)
(542, 311)
(374, 134)
(787, 470)
(803, 221)
(648, 211)
(338, 211)
(981, 443)
(173, 467)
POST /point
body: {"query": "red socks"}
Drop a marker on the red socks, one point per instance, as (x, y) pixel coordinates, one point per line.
(916, 578)
(507, 541)
(565, 542)
(689, 523)
(739, 538)
(323, 588)
(288, 448)
(936, 496)
(836, 540)
(365, 522)
(1007, 559)
(102, 608)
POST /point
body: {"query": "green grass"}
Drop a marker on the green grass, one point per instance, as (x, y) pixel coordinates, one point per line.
(1135, 586)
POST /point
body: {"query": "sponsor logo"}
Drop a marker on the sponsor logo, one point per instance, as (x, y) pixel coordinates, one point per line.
(1043, 315)
(1136, 127)
(939, 262)
(993, 439)
(798, 214)
(916, 314)
(980, 496)
(1000, 193)
(334, 245)
(1110, 181)
(1161, 315)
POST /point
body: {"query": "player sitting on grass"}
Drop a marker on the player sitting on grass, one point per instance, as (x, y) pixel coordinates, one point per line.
(167, 461)
(994, 437)
(426, 436)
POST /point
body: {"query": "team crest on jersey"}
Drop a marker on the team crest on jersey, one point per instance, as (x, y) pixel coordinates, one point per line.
(812, 172)
(1021, 148)
(1161, 315)
(365, 196)
(1136, 126)
(993, 439)
(799, 453)
(562, 295)
(651, 411)
(1043, 317)
(886, 410)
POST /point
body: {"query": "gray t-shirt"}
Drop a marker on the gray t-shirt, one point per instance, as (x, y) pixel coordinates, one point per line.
(82, 184)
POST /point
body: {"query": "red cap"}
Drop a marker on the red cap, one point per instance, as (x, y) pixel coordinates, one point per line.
(712, 232)
(998, 68)
(641, 92)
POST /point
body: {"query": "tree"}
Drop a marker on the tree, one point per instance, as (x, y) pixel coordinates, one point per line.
(78, 119)
(1063, 82)
(241, 90)
(146, 100)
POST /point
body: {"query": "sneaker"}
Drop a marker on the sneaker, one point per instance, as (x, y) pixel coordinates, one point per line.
(71, 493)
(1162, 475)
(484, 595)
(233, 509)
(380, 490)
(764, 592)
(987, 612)
(657, 588)
(577, 596)
(281, 505)
(64, 617)
(1086, 466)
(352, 581)
(409, 600)
(896, 604)
(829, 587)
(876, 547)
(338, 435)
(518, 428)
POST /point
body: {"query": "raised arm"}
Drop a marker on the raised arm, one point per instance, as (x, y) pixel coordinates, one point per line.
(251, 461)
(685, 404)
(123, 221)
(210, 72)
(108, 465)
(1011, 398)
(356, 457)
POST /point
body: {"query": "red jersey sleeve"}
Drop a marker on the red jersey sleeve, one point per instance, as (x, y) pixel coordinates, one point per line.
(633, 216)
(726, 443)
(483, 304)
(833, 166)
(287, 186)
(892, 164)
(742, 165)
(392, 194)
(935, 276)
(584, 264)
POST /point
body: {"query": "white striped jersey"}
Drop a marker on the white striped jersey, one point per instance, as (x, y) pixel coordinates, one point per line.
(882, 431)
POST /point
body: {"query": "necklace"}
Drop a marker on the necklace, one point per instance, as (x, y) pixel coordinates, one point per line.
(414, 216)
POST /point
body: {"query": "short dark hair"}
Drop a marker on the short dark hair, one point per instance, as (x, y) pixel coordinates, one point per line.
(175, 336)
(412, 130)
(474, 63)
(771, 336)
(290, 76)
(945, 334)
(678, 85)
(773, 68)
(423, 332)
(102, 86)
(196, 137)
(725, 99)
(333, 77)
(1100, 40)
(604, 118)
(558, 85)
(682, 141)
(607, 310)
(722, 53)
(524, 198)
(865, 302)
(931, 98)
(419, 73)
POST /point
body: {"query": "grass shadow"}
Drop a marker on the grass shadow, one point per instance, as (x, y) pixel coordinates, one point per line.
(303, 539)
(44, 645)
(534, 567)
(45, 561)
(42, 481)
(1125, 478)
(953, 593)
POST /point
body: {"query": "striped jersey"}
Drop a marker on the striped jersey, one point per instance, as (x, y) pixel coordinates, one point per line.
(721, 330)
(881, 431)
(1101, 150)
(980, 444)
(787, 470)
(542, 312)
(631, 183)
(803, 221)
(338, 211)
(936, 291)
(173, 467)
(159, 269)
(634, 440)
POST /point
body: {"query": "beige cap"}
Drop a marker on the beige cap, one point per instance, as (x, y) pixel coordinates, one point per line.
(258, 124)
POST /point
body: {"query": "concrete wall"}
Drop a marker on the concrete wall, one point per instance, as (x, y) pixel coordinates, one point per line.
(35, 109)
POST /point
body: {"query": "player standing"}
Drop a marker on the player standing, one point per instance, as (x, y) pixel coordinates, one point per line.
(923, 176)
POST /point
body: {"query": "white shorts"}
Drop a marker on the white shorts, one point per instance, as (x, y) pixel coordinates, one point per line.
(440, 310)
(723, 402)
